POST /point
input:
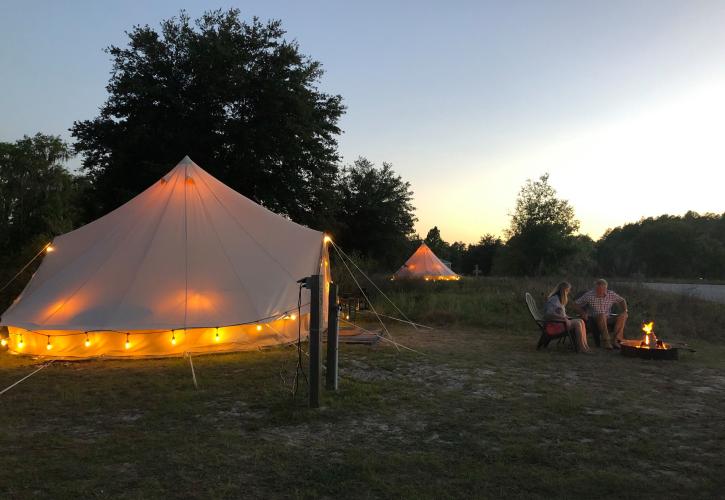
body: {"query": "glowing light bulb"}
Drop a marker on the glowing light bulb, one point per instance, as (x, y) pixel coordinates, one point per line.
(127, 345)
(173, 338)
(87, 343)
(4, 342)
(259, 328)
(20, 342)
(327, 239)
(50, 248)
(293, 317)
(216, 335)
(49, 346)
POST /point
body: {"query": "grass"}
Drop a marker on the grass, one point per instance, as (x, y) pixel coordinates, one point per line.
(480, 415)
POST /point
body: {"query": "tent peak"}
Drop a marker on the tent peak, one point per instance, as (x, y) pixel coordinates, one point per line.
(186, 160)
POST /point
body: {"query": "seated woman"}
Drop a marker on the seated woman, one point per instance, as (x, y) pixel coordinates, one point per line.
(555, 309)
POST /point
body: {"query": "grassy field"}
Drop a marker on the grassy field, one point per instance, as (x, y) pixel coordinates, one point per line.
(480, 414)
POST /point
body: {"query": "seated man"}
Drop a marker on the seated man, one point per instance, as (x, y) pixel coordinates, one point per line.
(597, 304)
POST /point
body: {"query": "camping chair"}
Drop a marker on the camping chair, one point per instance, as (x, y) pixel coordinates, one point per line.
(547, 337)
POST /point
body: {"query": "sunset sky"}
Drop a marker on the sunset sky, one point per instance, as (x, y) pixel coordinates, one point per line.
(622, 102)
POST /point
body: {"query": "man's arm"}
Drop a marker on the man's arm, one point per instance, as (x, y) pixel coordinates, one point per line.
(579, 310)
(623, 305)
(578, 304)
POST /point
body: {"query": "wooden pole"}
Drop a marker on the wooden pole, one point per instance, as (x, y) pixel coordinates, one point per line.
(332, 339)
(315, 344)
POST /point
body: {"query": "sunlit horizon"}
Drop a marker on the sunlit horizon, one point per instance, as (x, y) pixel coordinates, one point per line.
(662, 159)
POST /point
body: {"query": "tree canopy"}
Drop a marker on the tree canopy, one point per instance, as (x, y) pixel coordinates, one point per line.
(667, 246)
(537, 205)
(541, 233)
(375, 215)
(235, 96)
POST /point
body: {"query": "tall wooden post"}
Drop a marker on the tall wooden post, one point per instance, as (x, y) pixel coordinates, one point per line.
(332, 342)
(315, 344)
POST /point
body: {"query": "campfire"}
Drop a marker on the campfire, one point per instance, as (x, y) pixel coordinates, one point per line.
(650, 340)
(649, 347)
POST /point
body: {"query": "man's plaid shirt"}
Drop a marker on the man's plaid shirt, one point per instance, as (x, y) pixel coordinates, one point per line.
(599, 305)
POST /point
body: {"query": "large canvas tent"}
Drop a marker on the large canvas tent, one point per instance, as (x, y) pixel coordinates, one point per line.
(189, 265)
(424, 264)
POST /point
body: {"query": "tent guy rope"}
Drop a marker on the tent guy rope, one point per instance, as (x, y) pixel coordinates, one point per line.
(25, 377)
(397, 344)
(372, 307)
(403, 321)
(48, 247)
(341, 251)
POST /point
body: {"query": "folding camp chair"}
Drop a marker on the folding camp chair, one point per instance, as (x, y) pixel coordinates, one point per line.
(546, 337)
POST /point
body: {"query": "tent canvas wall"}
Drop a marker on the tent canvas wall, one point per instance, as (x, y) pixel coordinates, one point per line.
(424, 264)
(189, 265)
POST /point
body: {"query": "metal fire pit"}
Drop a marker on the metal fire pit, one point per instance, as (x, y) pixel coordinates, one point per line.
(635, 349)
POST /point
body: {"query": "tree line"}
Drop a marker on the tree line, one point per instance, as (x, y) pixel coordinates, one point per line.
(542, 239)
(245, 103)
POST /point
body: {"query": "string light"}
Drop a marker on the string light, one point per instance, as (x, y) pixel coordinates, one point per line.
(216, 335)
(20, 342)
(173, 338)
(50, 248)
(259, 328)
(88, 341)
(49, 346)
(128, 342)
(293, 317)
(327, 239)
(4, 342)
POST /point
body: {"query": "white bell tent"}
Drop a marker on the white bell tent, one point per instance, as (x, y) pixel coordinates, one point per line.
(189, 265)
(425, 265)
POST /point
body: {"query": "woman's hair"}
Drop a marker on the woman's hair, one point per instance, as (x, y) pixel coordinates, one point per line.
(559, 290)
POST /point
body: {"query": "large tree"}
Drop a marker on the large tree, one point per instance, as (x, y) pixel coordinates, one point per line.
(541, 235)
(376, 215)
(235, 96)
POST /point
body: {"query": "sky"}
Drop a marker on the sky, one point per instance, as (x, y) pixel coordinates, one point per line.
(621, 102)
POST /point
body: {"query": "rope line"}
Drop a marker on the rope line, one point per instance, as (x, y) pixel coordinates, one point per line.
(382, 337)
(193, 375)
(25, 377)
(373, 283)
(372, 307)
(25, 266)
(403, 321)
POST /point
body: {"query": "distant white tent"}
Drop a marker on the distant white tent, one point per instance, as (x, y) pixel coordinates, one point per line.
(189, 265)
(424, 264)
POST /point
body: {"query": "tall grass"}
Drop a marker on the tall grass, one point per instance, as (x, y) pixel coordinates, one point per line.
(499, 303)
